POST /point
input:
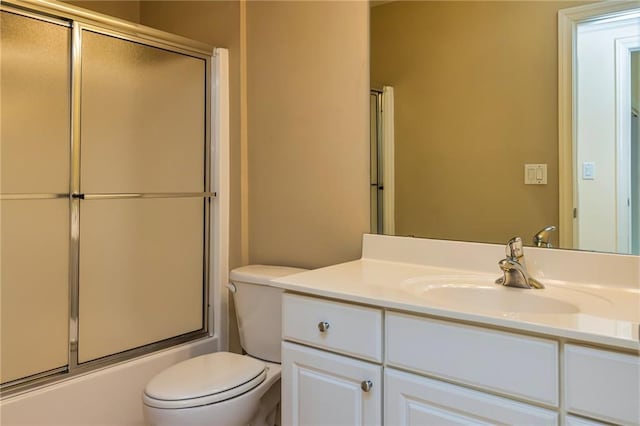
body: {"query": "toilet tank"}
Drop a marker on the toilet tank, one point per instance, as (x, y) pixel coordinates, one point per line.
(259, 308)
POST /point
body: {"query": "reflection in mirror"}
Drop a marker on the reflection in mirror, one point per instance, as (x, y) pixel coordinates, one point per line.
(635, 150)
(605, 146)
(476, 120)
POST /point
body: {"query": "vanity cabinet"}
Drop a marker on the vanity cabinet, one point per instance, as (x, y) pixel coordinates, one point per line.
(338, 327)
(501, 362)
(434, 372)
(579, 421)
(593, 376)
(338, 380)
(496, 361)
(414, 400)
(322, 388)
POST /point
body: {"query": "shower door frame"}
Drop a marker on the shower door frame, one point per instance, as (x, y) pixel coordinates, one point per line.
(215, 195)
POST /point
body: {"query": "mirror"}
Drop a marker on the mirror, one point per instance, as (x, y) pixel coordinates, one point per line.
(474, 88)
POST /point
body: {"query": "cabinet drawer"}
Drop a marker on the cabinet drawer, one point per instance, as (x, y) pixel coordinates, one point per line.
(511, 364)
(414, 400)
(602, 384)
(350, 329)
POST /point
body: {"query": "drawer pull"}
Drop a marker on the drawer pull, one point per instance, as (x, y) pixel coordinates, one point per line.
(366, 385)
(323, 326)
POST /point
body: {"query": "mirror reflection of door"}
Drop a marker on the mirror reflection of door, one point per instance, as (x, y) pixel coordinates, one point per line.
(606, 147)
(635, 152)
(382, 142)
(375, 144)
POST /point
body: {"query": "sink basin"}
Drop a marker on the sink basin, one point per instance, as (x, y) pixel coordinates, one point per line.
(480, 294)
(498, 298)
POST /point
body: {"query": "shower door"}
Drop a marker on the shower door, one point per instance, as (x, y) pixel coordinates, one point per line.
(105, 196)
(142, 180)
(34, 201)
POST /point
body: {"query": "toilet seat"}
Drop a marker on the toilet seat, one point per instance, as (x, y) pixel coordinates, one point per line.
(204, 380)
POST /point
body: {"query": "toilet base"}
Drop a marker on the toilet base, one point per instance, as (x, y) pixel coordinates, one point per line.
(269, 410)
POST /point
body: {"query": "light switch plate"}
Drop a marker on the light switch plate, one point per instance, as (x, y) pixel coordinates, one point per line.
(535, 174)
(588, 170)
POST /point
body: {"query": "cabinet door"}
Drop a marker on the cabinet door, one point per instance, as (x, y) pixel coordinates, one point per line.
(414, 400)
(320, 388)
(602, 384)
(579, 421)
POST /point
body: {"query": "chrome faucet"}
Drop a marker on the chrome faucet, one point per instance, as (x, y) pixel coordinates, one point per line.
(515, 269)
(541, 239)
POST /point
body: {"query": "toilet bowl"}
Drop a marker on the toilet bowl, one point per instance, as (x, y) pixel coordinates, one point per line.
(221, 388)
(224, 388)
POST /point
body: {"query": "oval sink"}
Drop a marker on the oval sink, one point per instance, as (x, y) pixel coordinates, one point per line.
(479, 293)
(497, 299)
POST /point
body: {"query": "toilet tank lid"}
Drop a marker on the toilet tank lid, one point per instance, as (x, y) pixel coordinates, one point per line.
(261, 274)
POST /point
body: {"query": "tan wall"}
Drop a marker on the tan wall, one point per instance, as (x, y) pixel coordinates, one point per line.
(476, 99)
(128, 10)
(308, 131)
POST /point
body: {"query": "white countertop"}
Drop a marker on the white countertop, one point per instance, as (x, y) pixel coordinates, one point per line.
(592, 313)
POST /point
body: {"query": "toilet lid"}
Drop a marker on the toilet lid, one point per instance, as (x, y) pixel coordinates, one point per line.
(204, 380)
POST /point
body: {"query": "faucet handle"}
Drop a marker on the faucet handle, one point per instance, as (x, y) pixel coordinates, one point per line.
(514, 248)
(542, 238)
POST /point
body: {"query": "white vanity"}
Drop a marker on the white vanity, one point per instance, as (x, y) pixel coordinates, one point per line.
(417, 333)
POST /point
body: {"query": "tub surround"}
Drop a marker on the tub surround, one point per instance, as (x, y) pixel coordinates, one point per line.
(110, 396)
(593, 298)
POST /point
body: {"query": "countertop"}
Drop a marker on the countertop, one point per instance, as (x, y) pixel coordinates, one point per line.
(589, 313)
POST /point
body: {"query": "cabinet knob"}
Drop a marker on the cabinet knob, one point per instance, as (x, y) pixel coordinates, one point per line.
(323, 326)
(366, 385)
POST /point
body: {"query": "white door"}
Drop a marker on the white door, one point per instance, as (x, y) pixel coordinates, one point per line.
(320, 388)
(413, 400)
(603, 133)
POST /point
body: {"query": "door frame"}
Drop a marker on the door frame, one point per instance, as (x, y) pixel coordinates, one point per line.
(568, 20)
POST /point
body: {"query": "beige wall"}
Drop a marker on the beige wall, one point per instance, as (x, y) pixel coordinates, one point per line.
(308, 131)
(476, 99)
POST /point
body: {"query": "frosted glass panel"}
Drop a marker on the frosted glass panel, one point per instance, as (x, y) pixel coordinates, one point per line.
(35, 119)
(34, 290)
(143, 119)
(141, 267)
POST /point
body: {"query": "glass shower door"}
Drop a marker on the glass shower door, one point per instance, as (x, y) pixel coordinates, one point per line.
(104, 202)
(142, 208)
(34, 200)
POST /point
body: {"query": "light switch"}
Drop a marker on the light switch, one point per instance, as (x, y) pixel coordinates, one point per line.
(535, 174)
(588, 170)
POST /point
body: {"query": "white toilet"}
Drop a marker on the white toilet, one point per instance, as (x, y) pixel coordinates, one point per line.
(224, 388)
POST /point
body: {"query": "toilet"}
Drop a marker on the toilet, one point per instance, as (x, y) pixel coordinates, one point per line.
(224, 388)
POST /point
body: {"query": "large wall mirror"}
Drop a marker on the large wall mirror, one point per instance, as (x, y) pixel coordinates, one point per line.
(466, 94)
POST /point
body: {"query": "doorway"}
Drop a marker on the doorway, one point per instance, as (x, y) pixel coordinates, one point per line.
(599, 182)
